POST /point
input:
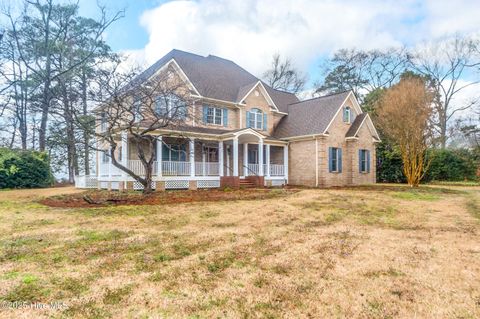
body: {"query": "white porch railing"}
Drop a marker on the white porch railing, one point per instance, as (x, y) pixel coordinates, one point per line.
(276, 169)
(253, 169)
(170, 168)
(206, 169)
(136, 166)
(173, 168)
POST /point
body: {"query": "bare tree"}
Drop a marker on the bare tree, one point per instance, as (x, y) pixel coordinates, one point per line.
(447, 64)
(404, 111)
(362, 71)
(284, 76)
(37, 35)
(140, 108)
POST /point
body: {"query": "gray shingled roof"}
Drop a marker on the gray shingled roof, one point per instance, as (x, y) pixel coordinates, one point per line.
(310, 116)
(356, 125)
(216, 78)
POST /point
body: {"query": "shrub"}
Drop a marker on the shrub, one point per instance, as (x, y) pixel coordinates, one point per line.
(451, 165)
(446, 165)
(24, 169)
(389, 164)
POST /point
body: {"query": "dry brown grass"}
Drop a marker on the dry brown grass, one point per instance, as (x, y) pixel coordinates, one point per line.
(376, 252)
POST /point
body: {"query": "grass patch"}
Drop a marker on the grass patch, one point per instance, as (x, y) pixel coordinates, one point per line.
(415, 195)
(116, 295)
(473, 207)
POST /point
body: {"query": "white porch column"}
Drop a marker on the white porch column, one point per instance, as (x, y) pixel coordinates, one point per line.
(245, 159)
(260, 158)
(204, 168)
(235, 156)
(220, 158)
(109, 163)
(124, 151)
(285, 162)
(267, 158)
(191, 149)
(159, 156)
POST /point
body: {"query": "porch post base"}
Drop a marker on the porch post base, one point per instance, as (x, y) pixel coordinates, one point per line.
(229, 181)
(192, 185)
(129, 186)
(160, 186)
(109, 187)
(269, 183)
(121, 186)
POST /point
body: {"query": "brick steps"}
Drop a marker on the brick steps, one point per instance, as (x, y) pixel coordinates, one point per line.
(245, 183)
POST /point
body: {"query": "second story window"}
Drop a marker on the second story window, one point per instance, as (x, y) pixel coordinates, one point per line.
(215, 115)
(170, 105)
(103, 121)
(256, 119)
(137, 109)
(347, 114)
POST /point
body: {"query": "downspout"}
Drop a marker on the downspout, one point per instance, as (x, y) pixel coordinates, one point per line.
(316, 161)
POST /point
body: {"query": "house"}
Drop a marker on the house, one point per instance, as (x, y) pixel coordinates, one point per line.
(249, 133)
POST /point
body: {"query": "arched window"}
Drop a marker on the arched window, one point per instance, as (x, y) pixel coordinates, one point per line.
(347, 114)
(256, 119)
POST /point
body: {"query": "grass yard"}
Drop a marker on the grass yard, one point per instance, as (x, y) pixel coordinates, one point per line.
(370, 252)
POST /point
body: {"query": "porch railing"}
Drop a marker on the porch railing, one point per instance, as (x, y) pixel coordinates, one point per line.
(170, 168)
(275, 169)
(206, 169)
(173, 168)
(136, 166)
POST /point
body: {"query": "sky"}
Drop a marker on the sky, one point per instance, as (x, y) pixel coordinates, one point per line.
(307, 31)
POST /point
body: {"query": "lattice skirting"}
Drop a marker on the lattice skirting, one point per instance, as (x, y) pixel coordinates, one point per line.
(104, 185)
(138, 186)
(115, 185)
(208, 184)
(176, 184)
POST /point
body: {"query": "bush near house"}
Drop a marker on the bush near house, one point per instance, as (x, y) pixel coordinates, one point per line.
(446, 165)
(24, 169)
(452, 165)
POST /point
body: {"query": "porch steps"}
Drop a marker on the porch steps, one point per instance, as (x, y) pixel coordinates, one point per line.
(245, 183)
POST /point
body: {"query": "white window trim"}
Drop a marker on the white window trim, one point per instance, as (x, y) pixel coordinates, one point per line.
(256, 112)
(347, 110)
(215, 110)
(364, 161)
(336, 149)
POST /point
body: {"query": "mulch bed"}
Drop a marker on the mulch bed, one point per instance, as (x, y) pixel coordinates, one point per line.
(101, 198)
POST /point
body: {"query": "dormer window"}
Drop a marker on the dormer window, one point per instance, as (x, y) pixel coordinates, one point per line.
(257, 119)
(347, 114)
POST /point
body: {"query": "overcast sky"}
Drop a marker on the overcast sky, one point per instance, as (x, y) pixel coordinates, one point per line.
(250, 32)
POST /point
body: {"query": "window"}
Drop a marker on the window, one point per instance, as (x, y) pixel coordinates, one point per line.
(335, 160)
(137, 109)
(364, 161)
(174, 152)
(103, 121)
(211, 154)
(170, 106)
(347, 114)
(214, 115)
(105, 158)
(255, 119)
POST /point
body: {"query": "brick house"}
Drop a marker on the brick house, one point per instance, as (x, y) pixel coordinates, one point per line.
(246, 132)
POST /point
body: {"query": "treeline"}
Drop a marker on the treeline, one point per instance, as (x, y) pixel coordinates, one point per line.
(448, 68)
(49, 55)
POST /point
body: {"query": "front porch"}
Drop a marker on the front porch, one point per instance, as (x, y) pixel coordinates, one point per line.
(197, 162)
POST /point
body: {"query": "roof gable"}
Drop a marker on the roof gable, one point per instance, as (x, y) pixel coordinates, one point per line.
(217, 78)
(310, 116)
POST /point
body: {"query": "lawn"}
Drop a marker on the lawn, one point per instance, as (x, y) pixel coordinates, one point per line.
(369, 252)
